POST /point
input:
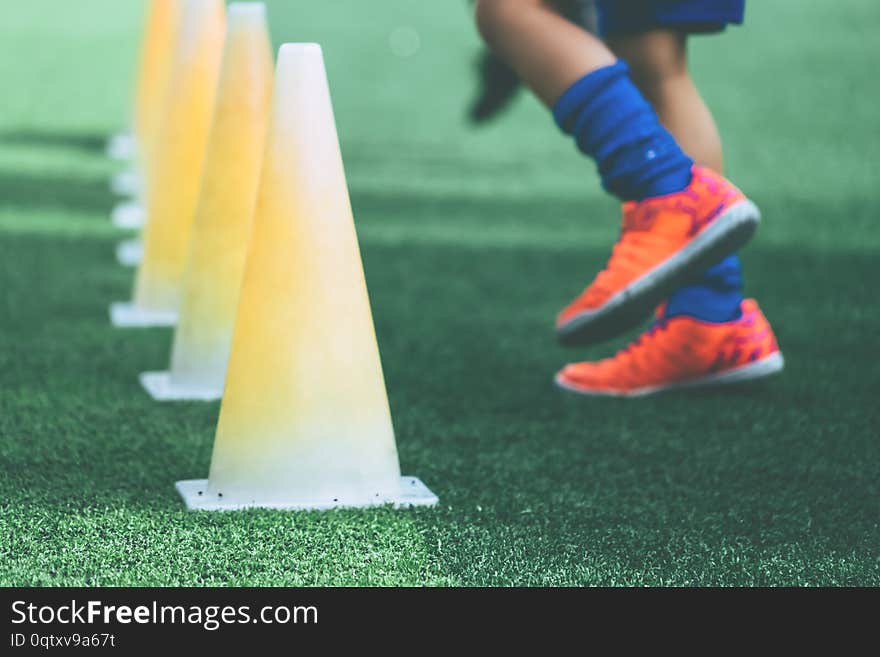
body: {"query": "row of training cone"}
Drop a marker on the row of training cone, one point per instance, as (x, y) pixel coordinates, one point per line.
(250, 238)
(164, 30)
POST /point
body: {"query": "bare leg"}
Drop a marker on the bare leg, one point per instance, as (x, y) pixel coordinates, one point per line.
(658, 66)
(499, 84)
(547, 51)
(639, 161)
(550, 53)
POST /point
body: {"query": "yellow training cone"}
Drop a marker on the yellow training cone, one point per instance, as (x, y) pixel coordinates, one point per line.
(156, 70)
(225, 212)
(156, 65)
(176, 169)
(304, 422)
(156, 49)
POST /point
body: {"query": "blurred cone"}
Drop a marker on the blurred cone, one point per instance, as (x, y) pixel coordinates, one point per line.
(156, 70)
(156, 50)
(121, 146)
(305, 421)
(176, 168)
(156, 67)
(225, 211)
(128, 215)
(127, 183)
(129, 253)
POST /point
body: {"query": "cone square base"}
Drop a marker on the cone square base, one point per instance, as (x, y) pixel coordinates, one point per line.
(121, 147)
(129, 215)
(413, 493)
(126, 183)
(162, 387)
(129, 253)
(127, 315)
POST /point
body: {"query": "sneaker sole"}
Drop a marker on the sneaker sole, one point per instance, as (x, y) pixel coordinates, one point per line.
(760, 369)
(629, 307)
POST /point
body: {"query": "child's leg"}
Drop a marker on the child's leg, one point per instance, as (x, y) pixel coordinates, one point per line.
(548, 52)
(680, 220)
(658, 65)
(592, 98)
(499, 84)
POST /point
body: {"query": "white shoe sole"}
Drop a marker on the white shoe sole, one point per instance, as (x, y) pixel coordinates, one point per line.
(767, 366)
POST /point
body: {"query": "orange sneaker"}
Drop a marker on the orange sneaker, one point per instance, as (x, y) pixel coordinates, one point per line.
(664, 241)
(682, 352)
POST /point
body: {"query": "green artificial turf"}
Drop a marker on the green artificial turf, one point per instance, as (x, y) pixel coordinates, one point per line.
(472, 240)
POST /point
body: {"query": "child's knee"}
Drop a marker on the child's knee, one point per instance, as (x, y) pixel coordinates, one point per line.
(654, 58)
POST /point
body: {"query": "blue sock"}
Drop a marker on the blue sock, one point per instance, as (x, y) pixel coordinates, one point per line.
(714, 297)
(637, 159)
(613, 123)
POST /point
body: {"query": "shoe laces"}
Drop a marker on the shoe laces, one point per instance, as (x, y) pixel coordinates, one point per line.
(645, 342)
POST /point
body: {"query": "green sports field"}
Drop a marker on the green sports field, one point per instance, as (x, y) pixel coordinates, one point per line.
(472, 240)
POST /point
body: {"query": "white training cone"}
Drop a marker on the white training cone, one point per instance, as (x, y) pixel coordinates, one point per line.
(225, 212)
(156, 64)
(121, 147)
(126, 183)
(129, 253)
(304, 422)
(126, 315)
(176, 169)
(155, 51)
(129, 215)
(157, 68)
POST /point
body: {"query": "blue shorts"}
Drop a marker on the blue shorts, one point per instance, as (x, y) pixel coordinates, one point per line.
(623, 16)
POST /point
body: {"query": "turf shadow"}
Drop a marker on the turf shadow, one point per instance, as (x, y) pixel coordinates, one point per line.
(82, 141)
(26, 192)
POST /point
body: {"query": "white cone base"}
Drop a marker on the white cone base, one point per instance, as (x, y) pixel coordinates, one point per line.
(121, 147)
(126, 183)
(129, 215)
(127, 315)
(129, 253)
(194, 493)
(162, 388)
